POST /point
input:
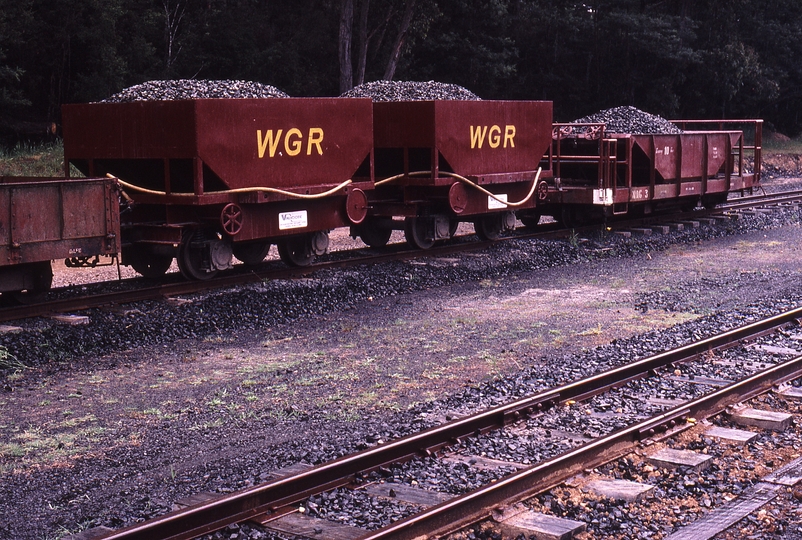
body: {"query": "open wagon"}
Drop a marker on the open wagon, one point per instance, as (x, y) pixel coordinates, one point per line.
(45, 219)
(599, 174)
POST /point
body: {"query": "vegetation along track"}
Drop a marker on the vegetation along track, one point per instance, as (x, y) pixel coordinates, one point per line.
(515, 451)
(134, 290)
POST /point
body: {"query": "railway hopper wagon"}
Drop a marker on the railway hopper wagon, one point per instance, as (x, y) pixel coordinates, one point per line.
(442, 162)
(44, 219)
(599, 175)
(210, 178)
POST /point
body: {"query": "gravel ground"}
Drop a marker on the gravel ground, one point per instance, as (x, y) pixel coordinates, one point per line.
(113, 421)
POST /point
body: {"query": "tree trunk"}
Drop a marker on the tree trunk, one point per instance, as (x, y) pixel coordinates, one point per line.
(398, 46)
(346, 25)
(363, 41)
(172, 21)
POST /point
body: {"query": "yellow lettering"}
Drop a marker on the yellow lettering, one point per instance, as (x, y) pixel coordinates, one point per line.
(315, 138)
(494, 140)
(509, 134)
(293, 148)
(478, 136)
(267, 142)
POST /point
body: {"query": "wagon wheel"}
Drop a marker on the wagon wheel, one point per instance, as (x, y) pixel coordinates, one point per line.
(530, 219)
(416, 231)
(296, 251)
(373, 234)
(191, 254)
(711, 201)
(453, 225)
(252, 253)
(39, 279)
(231, 219)
(488, 228)
(146, 262)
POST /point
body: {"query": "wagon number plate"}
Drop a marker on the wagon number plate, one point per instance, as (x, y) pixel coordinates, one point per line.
(292, 220)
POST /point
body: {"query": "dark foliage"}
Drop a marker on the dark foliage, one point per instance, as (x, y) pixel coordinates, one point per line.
(683, 58)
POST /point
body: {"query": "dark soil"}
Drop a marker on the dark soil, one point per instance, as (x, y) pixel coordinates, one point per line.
(168, 400)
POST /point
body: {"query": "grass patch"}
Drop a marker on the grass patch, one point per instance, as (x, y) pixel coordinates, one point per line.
(46, 159)
(9, 361)
(595, 331)
(794, 146)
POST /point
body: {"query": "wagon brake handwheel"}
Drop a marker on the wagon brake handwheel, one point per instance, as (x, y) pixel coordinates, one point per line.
(542, 191)
(231, 218)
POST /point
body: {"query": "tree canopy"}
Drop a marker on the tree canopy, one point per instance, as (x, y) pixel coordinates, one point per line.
(676, 58)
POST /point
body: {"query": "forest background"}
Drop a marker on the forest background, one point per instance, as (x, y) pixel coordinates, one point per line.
(677, 58)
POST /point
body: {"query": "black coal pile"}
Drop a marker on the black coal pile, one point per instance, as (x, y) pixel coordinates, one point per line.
(195, 89)
(630, 120)
(411, 91)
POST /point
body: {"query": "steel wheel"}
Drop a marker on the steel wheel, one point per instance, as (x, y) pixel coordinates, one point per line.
(296, 251)
(488, 228)
(416, 231)
(191, 255)
(530, 220)
(711, 201)
(39, 280)
(374, 235)
(146, 262)
(252, 253)
(453, 225)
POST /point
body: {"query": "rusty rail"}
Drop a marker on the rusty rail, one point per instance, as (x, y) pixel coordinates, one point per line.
(271, 497)
(391, 253)
(476, 505)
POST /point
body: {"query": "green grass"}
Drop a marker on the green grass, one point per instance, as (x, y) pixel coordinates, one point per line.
(794, 146)
(45, 159)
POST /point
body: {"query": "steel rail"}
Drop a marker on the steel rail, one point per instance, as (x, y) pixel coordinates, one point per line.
(270, 497)
(397, 252)
(477, 505)
(757, 200)
(229, 280)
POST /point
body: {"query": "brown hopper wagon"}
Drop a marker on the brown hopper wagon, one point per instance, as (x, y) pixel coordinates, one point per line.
(208, 178)
(441, 162)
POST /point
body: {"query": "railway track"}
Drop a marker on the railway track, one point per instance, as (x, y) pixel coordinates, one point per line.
(135, 290)
(507, 455)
